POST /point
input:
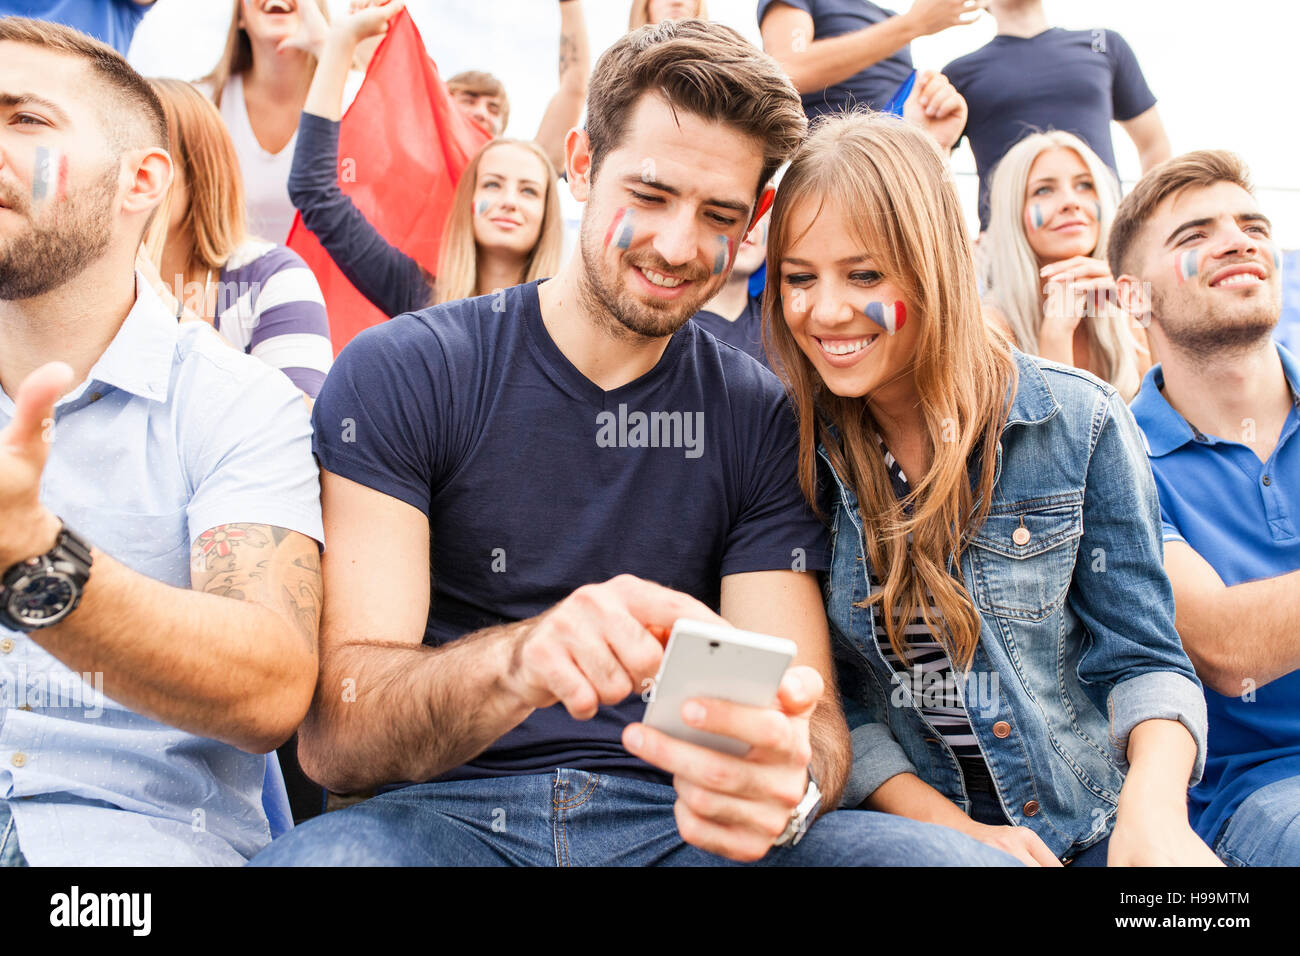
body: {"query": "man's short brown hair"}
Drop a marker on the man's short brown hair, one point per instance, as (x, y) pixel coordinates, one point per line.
(1204, 167)
(139, 120)
(699, 67)
(482, 84)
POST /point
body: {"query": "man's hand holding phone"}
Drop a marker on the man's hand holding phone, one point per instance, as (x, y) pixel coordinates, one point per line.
(598, 645)
(738, 807)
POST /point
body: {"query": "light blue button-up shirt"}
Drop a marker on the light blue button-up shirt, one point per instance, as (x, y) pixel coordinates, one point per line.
(172, 433)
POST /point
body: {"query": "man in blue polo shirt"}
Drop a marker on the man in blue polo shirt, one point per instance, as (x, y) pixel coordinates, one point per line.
(1193, 252)
(1032, 77)
(109, 21)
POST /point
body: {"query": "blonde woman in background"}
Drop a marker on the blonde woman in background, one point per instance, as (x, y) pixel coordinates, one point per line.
(1044, 260)
(503, 228)
(260, 296)
(654, 11)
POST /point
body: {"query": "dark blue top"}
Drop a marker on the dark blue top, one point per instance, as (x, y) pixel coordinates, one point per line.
(746, 333)
(112, 21)
(1243, 517)
(1073, 80)
(874, 87)
(536, 481)
(384, 274)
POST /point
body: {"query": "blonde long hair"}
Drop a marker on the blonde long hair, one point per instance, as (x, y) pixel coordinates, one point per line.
(458, 258)
(1010, 268)
(237, 57)
(202, 150)
(640, 14)
(890, 179)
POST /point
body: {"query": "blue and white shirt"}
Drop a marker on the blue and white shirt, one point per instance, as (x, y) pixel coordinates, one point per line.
(172, 433)
(269, 305)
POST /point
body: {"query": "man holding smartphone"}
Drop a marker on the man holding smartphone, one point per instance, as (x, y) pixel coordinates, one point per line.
(486, 460)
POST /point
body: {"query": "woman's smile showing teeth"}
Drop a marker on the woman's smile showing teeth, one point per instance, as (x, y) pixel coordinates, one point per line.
(845, 351)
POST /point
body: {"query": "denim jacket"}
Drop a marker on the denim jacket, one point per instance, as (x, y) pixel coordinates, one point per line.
(1077, 641)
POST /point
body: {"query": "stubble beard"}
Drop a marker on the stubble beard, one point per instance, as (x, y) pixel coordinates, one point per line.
(621, 314)
(62, 239)
(1206, 337)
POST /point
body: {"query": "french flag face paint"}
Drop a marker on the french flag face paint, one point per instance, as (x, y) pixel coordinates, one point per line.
(482, 207)
(621, 229)
(1277, 259)
(50, 179)
(1036, 219)
(889, 317)
(1187, 265)
(722, 258)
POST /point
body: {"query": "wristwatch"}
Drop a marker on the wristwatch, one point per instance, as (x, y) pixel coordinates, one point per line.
(802, 816)
(43, 590)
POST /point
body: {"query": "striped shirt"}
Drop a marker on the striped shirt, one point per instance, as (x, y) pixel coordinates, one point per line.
(927, 672)
(270, 306)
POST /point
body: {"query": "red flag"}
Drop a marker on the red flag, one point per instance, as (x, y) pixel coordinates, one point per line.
(403, 145)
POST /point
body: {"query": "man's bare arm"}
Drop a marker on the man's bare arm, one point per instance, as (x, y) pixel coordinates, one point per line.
(565, 108)
(789, 604)
(233, 659)
(1149, 136)
(814, 64)
(1245, 633)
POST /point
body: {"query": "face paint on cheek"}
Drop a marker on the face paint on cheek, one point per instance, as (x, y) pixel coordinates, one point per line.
(726, 251)
(1035, 216)
(621, 229)
(1096, 210)
(1185, 264)
(482, 207)
(50, 175)
(890, 317)
(1277, 259)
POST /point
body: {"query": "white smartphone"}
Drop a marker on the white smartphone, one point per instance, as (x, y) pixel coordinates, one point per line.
(709, 660)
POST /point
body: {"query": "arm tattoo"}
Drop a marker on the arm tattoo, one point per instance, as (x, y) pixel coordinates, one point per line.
(265, 565)
(568, 52)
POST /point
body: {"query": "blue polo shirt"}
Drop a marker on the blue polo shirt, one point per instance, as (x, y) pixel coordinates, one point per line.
(1243, 517)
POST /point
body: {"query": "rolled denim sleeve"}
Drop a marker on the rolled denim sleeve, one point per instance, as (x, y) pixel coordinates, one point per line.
(877, 756)
(1122, 594)
(1157, 695)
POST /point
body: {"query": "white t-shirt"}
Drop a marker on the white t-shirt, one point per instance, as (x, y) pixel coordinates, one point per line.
(266, 174)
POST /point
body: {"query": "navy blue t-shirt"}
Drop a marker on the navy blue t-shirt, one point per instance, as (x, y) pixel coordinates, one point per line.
(1073, 80)
(112, 21)
(536, 481)
(874, 87)
(746, 333)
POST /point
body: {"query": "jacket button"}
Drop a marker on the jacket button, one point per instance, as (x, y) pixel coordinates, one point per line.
(1020, 536)
(1031, 808)
(6, 646)
(1001, 729)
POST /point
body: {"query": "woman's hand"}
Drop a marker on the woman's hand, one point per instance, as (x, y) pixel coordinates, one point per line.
(313, 30)
(368, 18)
(1075, 288)
(1021, 842)
(1157, 836)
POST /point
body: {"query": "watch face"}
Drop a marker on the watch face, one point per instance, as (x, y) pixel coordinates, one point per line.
(42, 599)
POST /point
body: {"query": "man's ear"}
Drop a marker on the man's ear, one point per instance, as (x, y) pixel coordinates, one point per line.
(577, 163)
(1135, 298)
(148, 175)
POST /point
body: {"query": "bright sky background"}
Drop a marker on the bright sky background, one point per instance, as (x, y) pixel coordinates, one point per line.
(1218, 70)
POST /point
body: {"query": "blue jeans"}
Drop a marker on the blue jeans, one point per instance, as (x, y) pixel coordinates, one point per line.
(1265, 829)
(575, 818)
(10, 855)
